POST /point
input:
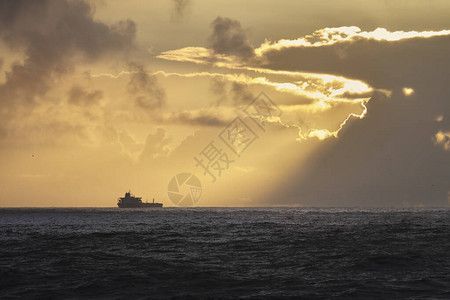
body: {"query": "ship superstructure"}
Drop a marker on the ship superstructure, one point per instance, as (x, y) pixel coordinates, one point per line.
(130, 201)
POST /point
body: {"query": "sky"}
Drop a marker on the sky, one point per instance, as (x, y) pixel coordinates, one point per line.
(263, 103)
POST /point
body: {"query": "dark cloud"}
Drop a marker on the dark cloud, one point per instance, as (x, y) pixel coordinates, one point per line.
(179, 7)
(78, 95)
(382, 64)
(157, 144)
(199, 118)
(354, 95)
(241, 93)
(145, 88)
(238, 92)
(230, 38)
(387, 158)
(218, 87)
(53, 34)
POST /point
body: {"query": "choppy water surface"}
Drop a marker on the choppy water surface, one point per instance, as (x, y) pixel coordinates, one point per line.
(225, 253)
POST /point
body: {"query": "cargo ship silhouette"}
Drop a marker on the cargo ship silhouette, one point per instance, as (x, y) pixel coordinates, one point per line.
(130, 201)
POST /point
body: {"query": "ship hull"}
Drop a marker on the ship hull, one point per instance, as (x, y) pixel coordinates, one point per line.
(151, 205)
(141, 205)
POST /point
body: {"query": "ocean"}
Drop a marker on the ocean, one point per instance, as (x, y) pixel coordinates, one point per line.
(190, 253)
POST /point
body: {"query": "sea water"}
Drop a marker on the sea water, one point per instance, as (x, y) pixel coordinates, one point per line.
(111, 253)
